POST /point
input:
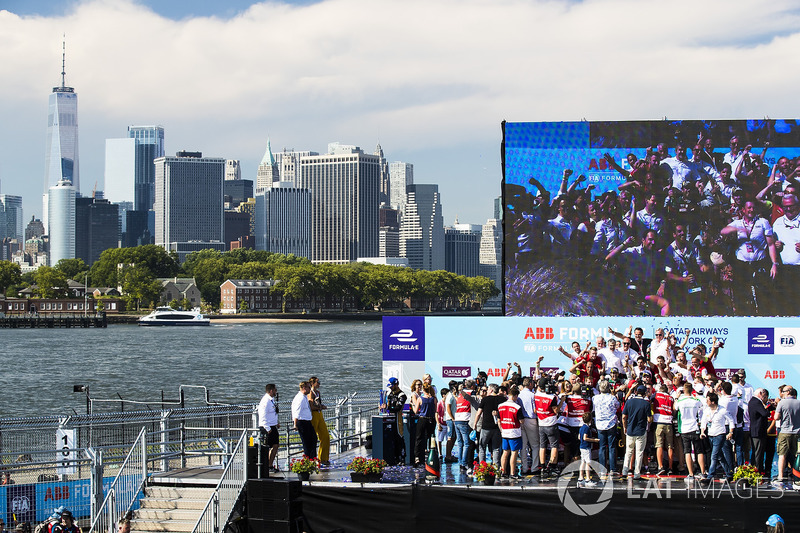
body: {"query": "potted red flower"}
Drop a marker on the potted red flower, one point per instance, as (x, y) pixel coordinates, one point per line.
(485, 472)
(365, 470)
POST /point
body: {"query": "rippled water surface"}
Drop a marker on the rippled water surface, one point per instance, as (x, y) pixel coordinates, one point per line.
(235, 361)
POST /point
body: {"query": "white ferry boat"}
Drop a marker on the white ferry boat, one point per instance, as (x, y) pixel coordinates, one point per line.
(167, 316)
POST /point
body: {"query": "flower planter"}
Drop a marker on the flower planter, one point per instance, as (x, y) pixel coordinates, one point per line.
(489, 480)
(358, 477)
(304, 476)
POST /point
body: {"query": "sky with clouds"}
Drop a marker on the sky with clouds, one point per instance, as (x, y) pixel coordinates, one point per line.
(431, 80)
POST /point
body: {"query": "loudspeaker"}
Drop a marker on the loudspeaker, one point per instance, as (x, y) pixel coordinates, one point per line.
(274, 489)
(384, 435)
(409, 435)
(253, 471)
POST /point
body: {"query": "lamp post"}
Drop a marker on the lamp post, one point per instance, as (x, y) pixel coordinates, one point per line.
(85, 295)
(83, 388)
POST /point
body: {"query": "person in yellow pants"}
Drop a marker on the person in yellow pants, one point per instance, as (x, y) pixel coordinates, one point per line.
(318, 421)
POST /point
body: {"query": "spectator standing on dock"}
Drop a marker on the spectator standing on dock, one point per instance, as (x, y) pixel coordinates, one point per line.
(301, 414)
(268, 423)
(318, 421)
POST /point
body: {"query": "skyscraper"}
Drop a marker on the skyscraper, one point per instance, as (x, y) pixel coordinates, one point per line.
(384, 177)
(283, 220)
(61, 151)
(233, 170)
(491, 254)
(345, 187)
(119, 176)
(12, 222)
(401, 175)
(149, 147)
(422, 228)
(462, 249)
(188, 207)
(61, 214)
(96, 228)
(267, 170)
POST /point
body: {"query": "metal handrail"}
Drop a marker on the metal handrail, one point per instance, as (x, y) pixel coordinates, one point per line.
(220, 504)
(107, 514)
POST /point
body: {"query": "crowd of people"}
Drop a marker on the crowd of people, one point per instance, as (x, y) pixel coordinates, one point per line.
(658, 399)
(307, 420)
(708, 233)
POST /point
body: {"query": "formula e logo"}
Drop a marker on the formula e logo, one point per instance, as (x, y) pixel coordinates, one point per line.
(404, 335)
(788, 341)
(539, 333)
(761, 340)
(20, 505)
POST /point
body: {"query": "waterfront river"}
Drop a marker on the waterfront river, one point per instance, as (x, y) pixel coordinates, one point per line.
(235, 361)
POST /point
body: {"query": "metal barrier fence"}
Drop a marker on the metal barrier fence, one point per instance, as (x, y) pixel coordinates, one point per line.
(220, 504)
(125, 489)
(71, 461)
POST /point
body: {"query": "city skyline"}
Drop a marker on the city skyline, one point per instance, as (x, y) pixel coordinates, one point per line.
(224, 78)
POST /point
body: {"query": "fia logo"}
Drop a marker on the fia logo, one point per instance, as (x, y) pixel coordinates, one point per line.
(404, 335)
(788, 341)
(20, 505)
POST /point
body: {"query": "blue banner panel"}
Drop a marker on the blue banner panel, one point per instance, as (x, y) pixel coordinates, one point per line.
(20, 504)
(403, 338)
(460, 347)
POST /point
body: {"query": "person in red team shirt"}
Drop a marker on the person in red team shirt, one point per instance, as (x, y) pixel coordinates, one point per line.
(663, 403)
(509, 418)
(576, 406)
(547, 410)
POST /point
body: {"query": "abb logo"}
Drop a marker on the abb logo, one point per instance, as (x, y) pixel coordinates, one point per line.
(775, 374)
(57, 493)
(540, 333)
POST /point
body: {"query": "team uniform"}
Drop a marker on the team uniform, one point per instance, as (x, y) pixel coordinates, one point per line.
(509, 418)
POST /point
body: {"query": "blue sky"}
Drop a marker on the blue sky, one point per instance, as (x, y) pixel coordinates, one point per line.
(431, 80)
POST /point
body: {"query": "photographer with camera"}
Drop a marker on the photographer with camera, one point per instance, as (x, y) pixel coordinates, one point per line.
(548, 406)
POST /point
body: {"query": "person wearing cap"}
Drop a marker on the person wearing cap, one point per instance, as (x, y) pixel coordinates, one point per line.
(67, 524)
(301, 414)
(395, 401)
(775, 524)
(636, 415)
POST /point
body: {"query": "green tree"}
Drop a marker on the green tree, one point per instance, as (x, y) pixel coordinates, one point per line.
(482, 288)
(50, 283)
(140, 286)
(72, 268)
(10, 274)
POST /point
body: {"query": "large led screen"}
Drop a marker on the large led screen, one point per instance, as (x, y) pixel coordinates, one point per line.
(667, 217)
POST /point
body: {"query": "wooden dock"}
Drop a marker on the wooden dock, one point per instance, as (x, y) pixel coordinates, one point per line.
(54, 321)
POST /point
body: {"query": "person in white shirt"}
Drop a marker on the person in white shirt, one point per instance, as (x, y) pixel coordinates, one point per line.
(611, 357)
(560, 229)
(530, 427)
(688, 410)
(718, 425)
(301, 414)
(787, 233)
(679, 168)
(659, 346)
(268, 422)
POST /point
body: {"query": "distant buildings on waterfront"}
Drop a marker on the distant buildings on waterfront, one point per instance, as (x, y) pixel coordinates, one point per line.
(340, 206)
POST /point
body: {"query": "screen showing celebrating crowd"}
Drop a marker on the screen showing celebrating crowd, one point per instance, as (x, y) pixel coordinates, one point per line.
(652, 217)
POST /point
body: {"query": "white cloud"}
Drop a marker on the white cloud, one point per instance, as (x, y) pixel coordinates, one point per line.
(418, 74)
